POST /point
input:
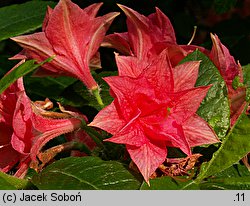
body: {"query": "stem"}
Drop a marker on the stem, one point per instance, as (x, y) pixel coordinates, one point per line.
(97, 95)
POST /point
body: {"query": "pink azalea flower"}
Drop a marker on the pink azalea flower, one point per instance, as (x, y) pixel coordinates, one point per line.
(229, 70)
(153, 110)
(148, 36)
(71, 34)
(25, 128)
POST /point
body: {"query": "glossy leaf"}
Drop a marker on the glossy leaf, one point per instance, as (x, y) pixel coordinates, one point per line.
(235, 146)
(246, 73)
(168, 183)
(22, 18)
(9, 182)
(79, 96)
(215, 107)
(231, 183)
(18, 72)
(89, 173)
(50, 87)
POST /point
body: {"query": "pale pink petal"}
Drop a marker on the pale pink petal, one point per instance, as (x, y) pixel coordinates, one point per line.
(185, 75)
(147, 157)
(198, 132)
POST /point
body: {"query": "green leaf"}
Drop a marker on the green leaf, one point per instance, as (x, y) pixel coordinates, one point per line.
(88, 173)
(11, 183)
(22, 18)
(168, 183)
(232, 183)
(246, 74)
(235, 146)
(80, 96)
(215, 107)
(18, 72)
(50, 87)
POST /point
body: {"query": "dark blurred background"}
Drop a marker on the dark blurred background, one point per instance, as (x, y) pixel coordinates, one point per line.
(229, 19)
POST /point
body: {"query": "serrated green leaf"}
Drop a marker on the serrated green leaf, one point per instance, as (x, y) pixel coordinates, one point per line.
(22, 18)
(86, 173)
(18, 72)
(215, 107)
(168, 183)
(235, 146)
(12, 183)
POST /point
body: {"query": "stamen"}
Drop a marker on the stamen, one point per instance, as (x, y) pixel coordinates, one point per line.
(192, 38)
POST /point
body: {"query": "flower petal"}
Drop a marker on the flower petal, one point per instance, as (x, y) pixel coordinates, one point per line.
(92, 9)
(138, 32)
(118, 41)
(186, 103)
(11, 157)
(198, 132)
(223, 60)
(160, 75)
(108, 119)
(162, 27)
(147, 157)
(130, 66)
(185, 75)
(129, 93)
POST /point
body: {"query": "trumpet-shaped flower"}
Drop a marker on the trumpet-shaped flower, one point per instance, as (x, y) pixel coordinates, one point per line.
(154, 110)
(26, 128)
(229, 70)
(148, 36)
(71, 34)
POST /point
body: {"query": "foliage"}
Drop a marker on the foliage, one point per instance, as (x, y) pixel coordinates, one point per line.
(82, 157)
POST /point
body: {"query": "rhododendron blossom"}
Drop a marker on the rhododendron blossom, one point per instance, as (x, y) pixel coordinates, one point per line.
(229, 70)
(148, 36)
(71, 34)
(155, 110)
(26, 128)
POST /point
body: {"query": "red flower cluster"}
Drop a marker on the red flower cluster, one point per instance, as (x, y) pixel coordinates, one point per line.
(73, 35)
(155, 99)
(25, 128)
